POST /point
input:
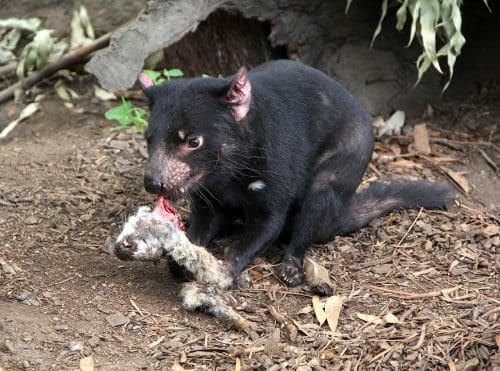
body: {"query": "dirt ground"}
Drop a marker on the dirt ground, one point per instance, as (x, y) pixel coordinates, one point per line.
(421, 287)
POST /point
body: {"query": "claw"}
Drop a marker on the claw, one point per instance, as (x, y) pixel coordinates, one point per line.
(291, 271)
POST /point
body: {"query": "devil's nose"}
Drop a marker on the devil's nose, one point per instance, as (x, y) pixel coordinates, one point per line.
(152, 184)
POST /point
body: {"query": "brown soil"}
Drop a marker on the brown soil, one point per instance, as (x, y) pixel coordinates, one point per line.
(67, 184)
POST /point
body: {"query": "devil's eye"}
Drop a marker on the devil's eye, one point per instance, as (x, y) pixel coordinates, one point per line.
(194, 142)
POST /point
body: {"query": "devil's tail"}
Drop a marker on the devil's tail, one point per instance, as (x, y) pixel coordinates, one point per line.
(381, 197)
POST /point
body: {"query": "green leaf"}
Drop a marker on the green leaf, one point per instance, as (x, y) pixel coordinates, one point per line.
(174, 72)
(120, 113)
(429, 15)
(379, 26)
(415, 10)
(401, 15)
(423, 64)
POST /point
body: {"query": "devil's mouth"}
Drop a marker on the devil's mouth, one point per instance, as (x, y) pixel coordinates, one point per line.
(165, 210)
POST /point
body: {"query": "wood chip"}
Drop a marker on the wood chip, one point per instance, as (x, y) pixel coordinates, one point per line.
(404, 164)
(369, 318)
(117, 319)
(421, 139)
(318, 277)
(458, 178)
(391, 318)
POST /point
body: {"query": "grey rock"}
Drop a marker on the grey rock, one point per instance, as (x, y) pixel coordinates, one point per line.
(31, 220)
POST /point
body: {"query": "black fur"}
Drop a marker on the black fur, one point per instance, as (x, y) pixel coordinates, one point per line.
(305, 138)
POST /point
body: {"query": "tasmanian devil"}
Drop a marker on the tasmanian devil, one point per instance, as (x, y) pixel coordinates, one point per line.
(282, 147)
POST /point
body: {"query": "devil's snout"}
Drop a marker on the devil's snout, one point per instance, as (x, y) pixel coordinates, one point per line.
(153, 184)
(166, 175)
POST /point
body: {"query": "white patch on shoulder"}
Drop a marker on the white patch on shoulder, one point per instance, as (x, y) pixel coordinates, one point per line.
(182, 134)
(257, 185)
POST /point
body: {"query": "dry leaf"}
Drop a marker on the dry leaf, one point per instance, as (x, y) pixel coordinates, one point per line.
(333, 307)
(421, 139)
(318, 310)
(87, 364)
(103, 94)
(458, 178)
(391, 318)
(369, 318)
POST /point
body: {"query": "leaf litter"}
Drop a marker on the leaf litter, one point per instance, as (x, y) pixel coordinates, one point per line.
(397, 303)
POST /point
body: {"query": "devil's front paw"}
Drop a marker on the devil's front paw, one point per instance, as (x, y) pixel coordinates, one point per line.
(291, 271)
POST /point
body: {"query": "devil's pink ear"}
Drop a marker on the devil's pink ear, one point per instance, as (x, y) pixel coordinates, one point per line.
(145, 81)
(239, 95)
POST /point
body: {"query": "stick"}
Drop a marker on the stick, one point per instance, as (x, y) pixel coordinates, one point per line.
(68, 59)
(408, 295)
(410, 228)
(8, 69)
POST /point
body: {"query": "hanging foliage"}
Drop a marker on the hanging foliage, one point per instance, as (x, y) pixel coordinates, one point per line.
(431, 20)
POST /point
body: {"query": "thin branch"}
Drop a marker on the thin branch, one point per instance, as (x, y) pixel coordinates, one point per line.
(8, 69)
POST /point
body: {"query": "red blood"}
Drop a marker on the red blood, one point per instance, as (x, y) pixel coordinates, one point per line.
(167, 211)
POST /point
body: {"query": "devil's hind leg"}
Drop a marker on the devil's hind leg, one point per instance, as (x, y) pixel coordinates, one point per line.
(320, 215)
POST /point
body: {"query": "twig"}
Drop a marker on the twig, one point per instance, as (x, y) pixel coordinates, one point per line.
(136, 307)
(54, 66)
(488, 159)
(408, 295)
(410, 228)
(404, 341)
(61, 282)
(156, 342)
(375, 170)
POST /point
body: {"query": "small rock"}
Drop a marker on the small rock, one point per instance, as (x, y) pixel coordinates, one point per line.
(75, 347)
(61, 327)
(457, 271)
(31, 220)
(382, 269)
(103, 309)
(117, 319)
(344, 248)
(7, 268)
(348, 328)
(3, 221)
(7, 347)
(25, 296)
